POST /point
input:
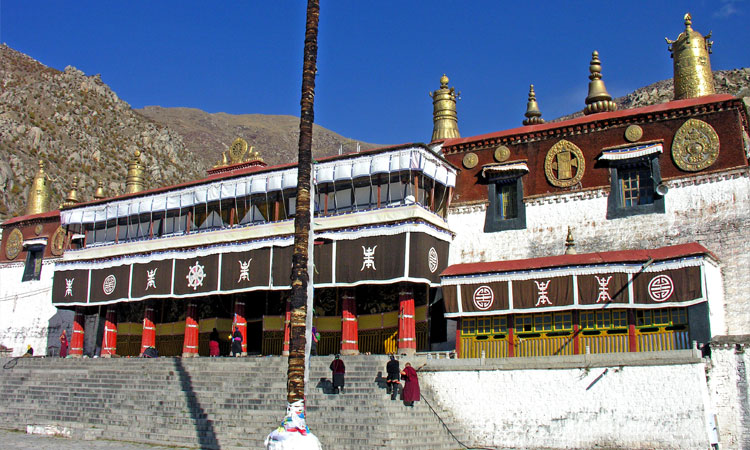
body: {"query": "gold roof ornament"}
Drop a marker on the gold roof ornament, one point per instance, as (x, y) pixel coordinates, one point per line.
(134, 181)
(72, 197)
(444, 117)
(598, 99)
(39, 193)
(533, 115)
(99, 193)
(692, 65)
(570, 244)
(239, 152)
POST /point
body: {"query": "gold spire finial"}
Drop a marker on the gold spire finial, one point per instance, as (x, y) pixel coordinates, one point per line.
(598, 99)
(72, 197)
(570, 244)
(692, 64)
(533, 115)
(134, 181)
(99, 193)
(38, 200)
(444, 117)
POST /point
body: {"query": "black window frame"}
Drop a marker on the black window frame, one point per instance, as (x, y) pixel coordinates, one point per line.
(493, 222)
(615, 210)
(34, 253)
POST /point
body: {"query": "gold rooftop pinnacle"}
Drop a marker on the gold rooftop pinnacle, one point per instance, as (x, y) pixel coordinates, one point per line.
(692, 65)
(238, 152)
(598, 99)
(38, 200)
(134, 181)
(99, 193)
(570, 244)
(72, 197)
(444, 117)
(533, 115)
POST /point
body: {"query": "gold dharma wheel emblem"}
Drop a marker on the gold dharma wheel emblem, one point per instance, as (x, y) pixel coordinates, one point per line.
(502, 153)
(564, 165)
(695, 146)
(633, 133)
(470, 160)
(237, 150)
(58, 241)
(14, 244)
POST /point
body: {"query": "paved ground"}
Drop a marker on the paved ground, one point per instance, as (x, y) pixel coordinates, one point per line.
(14, 440)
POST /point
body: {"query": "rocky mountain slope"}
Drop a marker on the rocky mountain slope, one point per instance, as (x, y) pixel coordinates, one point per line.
(276, 138)
(80, 128)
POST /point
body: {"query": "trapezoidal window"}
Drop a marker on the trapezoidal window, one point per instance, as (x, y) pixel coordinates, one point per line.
(633, 187)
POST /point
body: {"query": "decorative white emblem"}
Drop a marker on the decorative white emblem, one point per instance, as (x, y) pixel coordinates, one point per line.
(483, 298)
(244, 270)
(151, 281)
(368, 258)
(603, 289)
(108, 286)
(660, 288)
(68, 287)
(433, 260)
(195, 276)
(542, 298)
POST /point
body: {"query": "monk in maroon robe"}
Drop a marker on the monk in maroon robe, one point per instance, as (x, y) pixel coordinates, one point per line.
(411, 385)
(63, 345)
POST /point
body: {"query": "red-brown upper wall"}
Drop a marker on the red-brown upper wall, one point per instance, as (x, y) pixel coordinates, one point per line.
(34, 226)
(591, 134)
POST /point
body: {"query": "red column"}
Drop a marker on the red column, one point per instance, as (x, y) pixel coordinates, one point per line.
(576, 333)
(632, 340)
(190, 347)
(148, 335)
(458, 337)
(109, 342)
(241, 323)
(407, 331)
(511, 337)
(287, 328)
(76, 341)
(349, 329)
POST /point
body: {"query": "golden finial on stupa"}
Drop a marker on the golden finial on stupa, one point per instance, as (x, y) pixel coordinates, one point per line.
(533, 115)
(39, 193)
(99, 193)
(134, 181)
(72, 197)
(444, 117)
(692, 65)
(598, 99)
(570, 244)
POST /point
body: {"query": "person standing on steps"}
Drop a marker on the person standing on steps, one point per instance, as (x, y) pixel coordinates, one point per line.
(236, 342)
(411, 385)
(213, 343)
(393, 377)
(63, 345)
(338, 369)
(315, 340)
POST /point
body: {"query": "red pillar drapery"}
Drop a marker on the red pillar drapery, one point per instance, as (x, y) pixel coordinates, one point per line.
(76, 341)
(287, 328)
(407, 331)
(190, 346)
(109, 341)
(148, 335)
(349, 328)
(241, 323)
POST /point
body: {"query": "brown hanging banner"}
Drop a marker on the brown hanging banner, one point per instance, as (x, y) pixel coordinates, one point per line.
(152, 279)
(70, 286)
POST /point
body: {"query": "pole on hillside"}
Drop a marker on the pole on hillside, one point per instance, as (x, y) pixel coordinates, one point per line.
(293, 432)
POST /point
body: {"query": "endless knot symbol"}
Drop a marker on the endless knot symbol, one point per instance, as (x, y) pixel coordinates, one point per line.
(603, 289)
(660, 288)
(68, 287)
(151, 281)
(368, 258)
(244, 270)
(542, 298)
(483, 298)
(109, 284)
(433, 260)
(195, 276)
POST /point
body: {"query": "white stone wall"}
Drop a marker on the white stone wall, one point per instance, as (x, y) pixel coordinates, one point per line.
(633, 407)
(728, 389)
(713, 210)
(27, 316)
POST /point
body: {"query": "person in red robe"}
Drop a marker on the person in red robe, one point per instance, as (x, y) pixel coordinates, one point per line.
(339, 370)
(411, 385)
(63, 345)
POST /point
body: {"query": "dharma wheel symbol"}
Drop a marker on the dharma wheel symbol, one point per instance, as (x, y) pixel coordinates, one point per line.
(660, 288)
(433, 260)
(483, 298)
(109, 284)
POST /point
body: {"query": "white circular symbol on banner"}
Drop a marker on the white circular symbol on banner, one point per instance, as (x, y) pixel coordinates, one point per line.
(433, 259)
(109, 284)
(483, 298)
(660, 288)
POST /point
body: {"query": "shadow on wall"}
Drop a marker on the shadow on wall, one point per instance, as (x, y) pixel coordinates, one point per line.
(62, 320)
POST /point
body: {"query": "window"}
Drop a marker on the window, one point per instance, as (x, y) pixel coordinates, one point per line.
(499, 325)
(505, 190)
(468, 327)
(563, 321)
(523, 323)
(33, 268)
(484, 325)
(633, 187)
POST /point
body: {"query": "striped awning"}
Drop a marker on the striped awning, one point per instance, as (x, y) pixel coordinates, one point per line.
(618, 154)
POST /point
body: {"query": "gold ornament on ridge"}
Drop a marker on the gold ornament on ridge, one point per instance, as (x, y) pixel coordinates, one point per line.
(134, 182)
(692, 64)
(39, 193)
(598, 99)
(533, 115)
(444, 116)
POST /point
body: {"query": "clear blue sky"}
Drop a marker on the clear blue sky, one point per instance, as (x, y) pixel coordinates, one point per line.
(377, 60)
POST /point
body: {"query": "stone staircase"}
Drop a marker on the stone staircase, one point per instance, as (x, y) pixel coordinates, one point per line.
(212, 403)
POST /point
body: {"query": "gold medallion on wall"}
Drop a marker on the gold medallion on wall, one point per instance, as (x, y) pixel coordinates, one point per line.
(564, 164)
(633, 133)
(14, 244)
(58, 241)
(502, 153)
(470, 160)
(695, 146)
